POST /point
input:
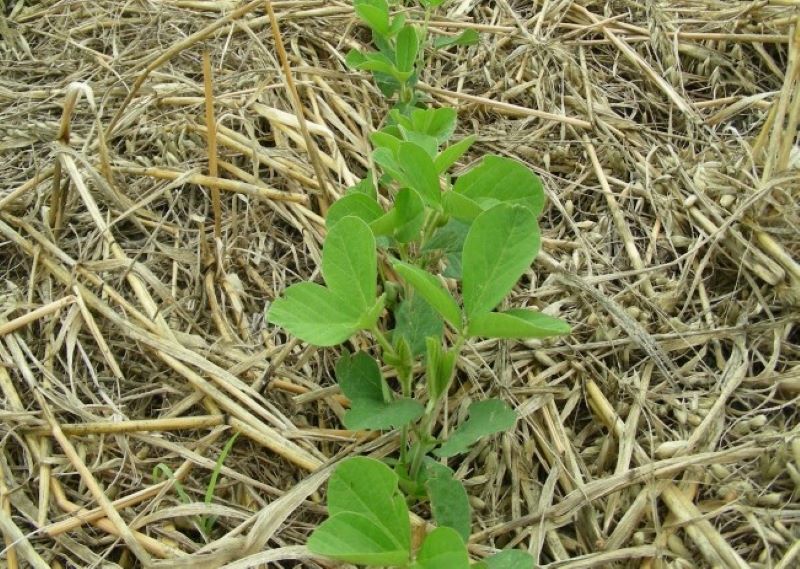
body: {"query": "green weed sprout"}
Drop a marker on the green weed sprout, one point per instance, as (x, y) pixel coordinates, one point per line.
(204, 523)
(386, 271)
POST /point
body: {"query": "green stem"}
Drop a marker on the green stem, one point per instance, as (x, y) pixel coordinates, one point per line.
(423, 435)
(428, 227)
(432, 410)
(383, 341)
(404, 444)
(425, 26)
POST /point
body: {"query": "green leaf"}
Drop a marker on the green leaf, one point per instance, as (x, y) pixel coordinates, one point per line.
(516, 324)
(431, 3)
(379, 63)
(452, 153)
(315, 315)
(326, 316)
(410, 215)
(449, 500)
(398, 118)
(419, 173)
(460, 206)
(497, 179)
(439, 123)
(467, 37)
(379, 416)
(500, 246)
(358, 205)
(431, 290)
(452, 269)
(485, 418)
(387, 84)
(374, 13)
(359, 377)
(449, 239)
(383, 139)
(398, 22)
(393, 130)
(361, 381)
(416, 320)
(439, 366)
(428, 143)
(349, 262)
(385, 158)
(354, 58)
(369, 518)
(368, 487)
(365, 186)
(402, 360)
(442, 549)
(370, 317)
(356, 538)
(406, 48)
(404, 221)
(508, 559)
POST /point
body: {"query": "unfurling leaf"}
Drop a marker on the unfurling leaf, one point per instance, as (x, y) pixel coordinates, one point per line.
(439, 366)
(485, 418)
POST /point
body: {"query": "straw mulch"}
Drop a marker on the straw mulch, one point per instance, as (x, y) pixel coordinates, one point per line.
(662, 433)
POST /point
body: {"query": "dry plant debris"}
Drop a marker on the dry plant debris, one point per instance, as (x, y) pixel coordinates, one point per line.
(663, 432)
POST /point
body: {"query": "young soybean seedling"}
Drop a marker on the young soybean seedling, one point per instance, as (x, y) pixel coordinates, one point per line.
(383, 272)
(396, 63)
(369, 525)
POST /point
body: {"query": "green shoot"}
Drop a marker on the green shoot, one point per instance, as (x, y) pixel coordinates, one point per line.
(419, 278)
(204, 523)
